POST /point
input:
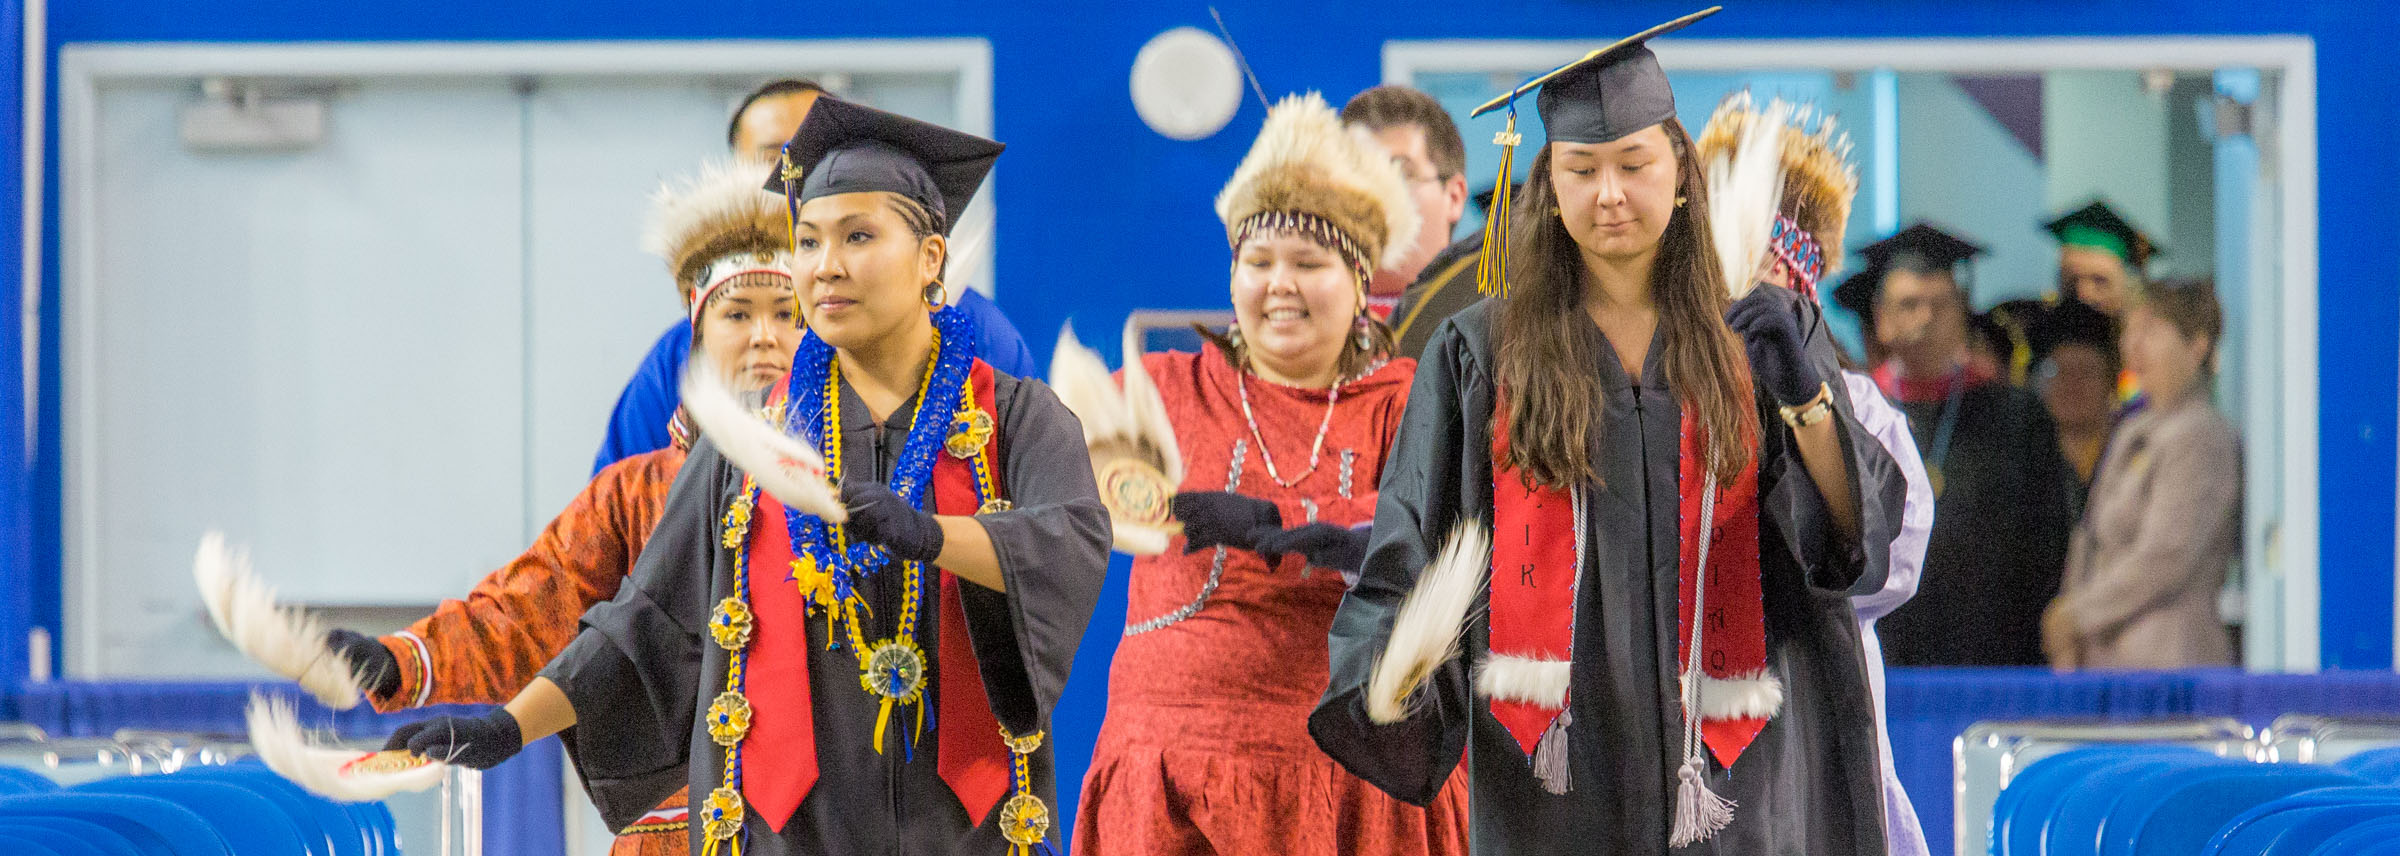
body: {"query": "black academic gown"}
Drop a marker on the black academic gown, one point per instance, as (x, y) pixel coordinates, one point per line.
(1446, 286)
(1810, 784)
(644, 665)
(1999, 542)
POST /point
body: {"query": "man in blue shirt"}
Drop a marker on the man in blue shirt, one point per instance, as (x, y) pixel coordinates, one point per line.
(766, 118)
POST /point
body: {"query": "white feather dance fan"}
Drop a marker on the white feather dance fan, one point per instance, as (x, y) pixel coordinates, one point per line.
(1433, 617)
(1134, 456)
(329, 771)
(1306, 162)
(286, 640)
(1745, 186)
(784, 467)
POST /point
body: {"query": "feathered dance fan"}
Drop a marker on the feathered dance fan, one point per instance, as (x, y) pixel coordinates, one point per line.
(784, 467)
(1744, 187)
(287, 640)
(347, 775)
(1133, 449)
(1426, 632)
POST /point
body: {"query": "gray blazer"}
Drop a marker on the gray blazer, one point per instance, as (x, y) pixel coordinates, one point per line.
(2163, 524)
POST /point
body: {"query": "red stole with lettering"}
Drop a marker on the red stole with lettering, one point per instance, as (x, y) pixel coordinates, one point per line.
(1537, 557)
(779, 756)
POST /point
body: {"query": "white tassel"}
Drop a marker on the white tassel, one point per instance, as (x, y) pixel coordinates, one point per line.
(286, 640)
(295, 754)
(1699, 812)
(784, 467)
(1425, 633)
(1126, 431)
(1744, 187)
(1550, 755)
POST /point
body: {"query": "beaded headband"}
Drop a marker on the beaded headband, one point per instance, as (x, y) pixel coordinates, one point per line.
(1310, 226)
(1798, 249)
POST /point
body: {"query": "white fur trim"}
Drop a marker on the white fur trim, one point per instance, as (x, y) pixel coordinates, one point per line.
(1528, 680)
(1758, 695)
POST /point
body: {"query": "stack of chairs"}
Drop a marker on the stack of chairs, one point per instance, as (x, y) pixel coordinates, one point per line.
(159, 795)
(2113, 796)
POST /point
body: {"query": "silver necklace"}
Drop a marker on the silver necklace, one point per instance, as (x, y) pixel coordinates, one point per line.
(1241, 381)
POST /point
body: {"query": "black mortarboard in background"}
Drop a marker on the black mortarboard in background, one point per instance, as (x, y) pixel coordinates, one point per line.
(846, 148)
(1919, 248)
(2097, 226)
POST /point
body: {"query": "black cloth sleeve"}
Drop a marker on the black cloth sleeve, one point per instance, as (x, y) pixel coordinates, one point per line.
(1438, 472)
(1796, 510)
(1053, 550)
(633, 671)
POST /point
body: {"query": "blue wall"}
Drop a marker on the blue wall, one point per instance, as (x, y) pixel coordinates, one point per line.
(1103, 216)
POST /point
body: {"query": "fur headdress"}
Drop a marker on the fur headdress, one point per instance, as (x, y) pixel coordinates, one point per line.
(717, 224)
(1819, 179)
(1306, 163)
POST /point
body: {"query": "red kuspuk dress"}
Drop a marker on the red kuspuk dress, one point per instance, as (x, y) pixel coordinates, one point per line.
(1206, 748)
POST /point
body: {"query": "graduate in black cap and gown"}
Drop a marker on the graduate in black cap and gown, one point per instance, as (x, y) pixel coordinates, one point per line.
(2003, 499)
(1594, 415)
(879, 686)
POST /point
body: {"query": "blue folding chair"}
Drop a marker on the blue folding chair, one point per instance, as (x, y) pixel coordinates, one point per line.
(381, 829)
(2263, 830)
(2175, 812)
(90, 838)
(2029, 798)
(2381, 766)
(17, 780)
(252, 825)
(2074, 827)
(154, 825)
(29, 844)
(328, 828)
(2374, 835)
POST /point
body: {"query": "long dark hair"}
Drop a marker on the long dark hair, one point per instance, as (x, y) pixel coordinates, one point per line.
(1548, 345)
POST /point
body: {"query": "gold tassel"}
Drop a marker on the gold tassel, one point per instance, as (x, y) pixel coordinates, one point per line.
(1491, 266)
(883, 717)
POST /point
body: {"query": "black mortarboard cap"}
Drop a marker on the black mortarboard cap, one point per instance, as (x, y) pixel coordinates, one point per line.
(2068, 322)
(847, 148)
(2098, 226)
(1609, 93)
(1918, 247)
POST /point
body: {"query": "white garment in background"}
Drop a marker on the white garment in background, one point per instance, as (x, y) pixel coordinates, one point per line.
(1903, 833)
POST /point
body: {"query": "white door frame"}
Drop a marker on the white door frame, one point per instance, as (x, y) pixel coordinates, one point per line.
(2284, 388)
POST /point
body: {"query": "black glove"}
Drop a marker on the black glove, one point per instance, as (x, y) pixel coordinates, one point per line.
(1223, 518)
(1770, 321)
(879, 516)
(481, 742)
(376, 668)
(1339, 548)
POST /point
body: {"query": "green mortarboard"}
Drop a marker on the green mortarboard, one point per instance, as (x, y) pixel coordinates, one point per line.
(2097, 226)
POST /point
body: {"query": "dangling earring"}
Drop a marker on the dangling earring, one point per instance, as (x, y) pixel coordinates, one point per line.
(1241, 350)
(1362, 332)
(936, 295)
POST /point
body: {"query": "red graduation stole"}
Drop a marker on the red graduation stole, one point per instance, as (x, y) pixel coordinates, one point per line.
(1537, 545)
(781, 748)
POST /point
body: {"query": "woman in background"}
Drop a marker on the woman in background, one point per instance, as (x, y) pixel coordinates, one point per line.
(1206, 749)
(2164, 521)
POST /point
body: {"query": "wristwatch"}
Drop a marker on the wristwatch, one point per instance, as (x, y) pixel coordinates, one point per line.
(1816, 410)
